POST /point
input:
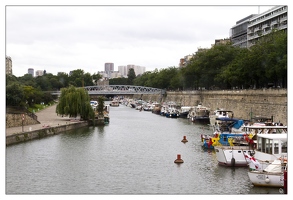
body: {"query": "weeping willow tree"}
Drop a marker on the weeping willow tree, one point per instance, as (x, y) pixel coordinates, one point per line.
(75, 101)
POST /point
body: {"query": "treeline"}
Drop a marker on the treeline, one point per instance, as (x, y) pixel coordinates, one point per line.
(220, 67)
(28, 90)
(226, 67)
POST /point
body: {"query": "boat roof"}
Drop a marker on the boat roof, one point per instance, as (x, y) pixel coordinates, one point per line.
(232, 134)
(281, 136)
(265, 127)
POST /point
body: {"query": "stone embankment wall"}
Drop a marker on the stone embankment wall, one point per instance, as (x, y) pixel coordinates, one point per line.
(13, 120)
(41, 133)
(244, 103)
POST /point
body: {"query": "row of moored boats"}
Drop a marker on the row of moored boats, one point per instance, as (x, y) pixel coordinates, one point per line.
(261, 146)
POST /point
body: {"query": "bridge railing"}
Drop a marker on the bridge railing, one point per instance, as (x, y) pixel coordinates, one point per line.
(120, 89)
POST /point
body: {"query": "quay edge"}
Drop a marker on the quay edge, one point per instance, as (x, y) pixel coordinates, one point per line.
(41, 133)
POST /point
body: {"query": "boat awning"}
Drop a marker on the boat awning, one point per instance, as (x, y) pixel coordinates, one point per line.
(281, 136)
(227, 119)
(237, 122)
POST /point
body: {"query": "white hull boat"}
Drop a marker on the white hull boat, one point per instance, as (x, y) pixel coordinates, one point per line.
(271, 176)
(232, 156)
(268, 148)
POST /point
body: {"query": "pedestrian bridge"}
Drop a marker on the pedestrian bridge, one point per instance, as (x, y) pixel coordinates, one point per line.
(120, 89)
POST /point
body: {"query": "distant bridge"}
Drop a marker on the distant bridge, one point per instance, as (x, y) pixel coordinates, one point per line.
(119, 89)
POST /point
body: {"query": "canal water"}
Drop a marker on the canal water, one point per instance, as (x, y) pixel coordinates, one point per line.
(133, 154)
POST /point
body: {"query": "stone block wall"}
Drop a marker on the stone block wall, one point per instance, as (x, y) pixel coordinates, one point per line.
(14, 120)
(244, 103)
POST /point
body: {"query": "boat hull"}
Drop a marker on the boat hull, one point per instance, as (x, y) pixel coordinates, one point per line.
(232, 156)
(266, 179)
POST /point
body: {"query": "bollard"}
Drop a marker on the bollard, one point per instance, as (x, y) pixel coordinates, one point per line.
(178, 160)
(184, 139)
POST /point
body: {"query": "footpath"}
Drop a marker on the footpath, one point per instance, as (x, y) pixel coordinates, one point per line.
(47, 118)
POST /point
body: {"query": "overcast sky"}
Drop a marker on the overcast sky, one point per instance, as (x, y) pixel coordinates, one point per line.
(65, 38)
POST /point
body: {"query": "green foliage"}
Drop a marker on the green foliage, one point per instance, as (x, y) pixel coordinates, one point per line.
(118, 81)
(225, 67)
(75, 101)
(14, 94)
(131, 76)
(96, 78)
(100, 107)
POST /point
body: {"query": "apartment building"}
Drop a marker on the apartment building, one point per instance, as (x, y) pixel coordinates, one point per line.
(185, 61)
(264, 23)
(39, 72)
(238, 33)
(30, 71)
(8, 65)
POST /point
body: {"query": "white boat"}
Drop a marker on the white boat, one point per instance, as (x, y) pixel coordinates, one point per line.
(184, 111)
(220, 113)
(199, 113)
(266, 148)
(94, 104)
(114, 103)
(271, 176)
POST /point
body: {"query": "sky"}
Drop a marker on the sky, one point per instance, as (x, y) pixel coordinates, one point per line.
(62, 38)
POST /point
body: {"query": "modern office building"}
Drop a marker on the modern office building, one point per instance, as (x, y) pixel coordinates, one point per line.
(8, 65)
(263, 24)
(238, 33)
(123, 71)
(138, 70)
(250, 29)
(109, 67)
(30, 71)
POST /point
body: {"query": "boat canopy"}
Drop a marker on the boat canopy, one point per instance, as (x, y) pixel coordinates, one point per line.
(237, 122)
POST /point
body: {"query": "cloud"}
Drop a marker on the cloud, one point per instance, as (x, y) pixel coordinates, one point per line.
(65, 38)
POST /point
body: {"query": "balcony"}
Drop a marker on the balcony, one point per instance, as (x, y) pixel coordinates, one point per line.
(283, 19)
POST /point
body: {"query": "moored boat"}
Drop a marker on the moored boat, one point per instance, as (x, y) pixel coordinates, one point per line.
(199, 113)
(220, 113)
(271, 176)
(184, 111)
(227, 133)
(266, 148)
(114, 103)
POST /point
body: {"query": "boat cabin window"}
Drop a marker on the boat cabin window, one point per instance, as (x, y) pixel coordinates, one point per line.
(271, 146)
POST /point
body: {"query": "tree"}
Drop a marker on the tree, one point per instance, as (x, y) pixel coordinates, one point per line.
(14, 95)
(87, 79)
(75, 101)
(100, 107)
(131, 76)
(76, 78)
(96, 78)
(63, 79)
(32, 95)
(118, 81)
